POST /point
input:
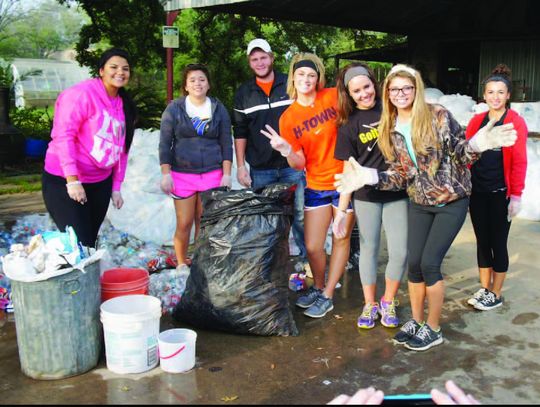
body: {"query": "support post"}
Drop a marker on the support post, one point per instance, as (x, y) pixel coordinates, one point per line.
(171, 17)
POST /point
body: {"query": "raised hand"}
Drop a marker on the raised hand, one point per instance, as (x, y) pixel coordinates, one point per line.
(355, 177)
(491, 136)
(277, 142)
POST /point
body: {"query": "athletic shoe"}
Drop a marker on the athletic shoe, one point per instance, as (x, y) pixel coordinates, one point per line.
(369, 315)
(425, 339)
(387, 310)
(407, 331)
(488, 302)
(308, 299)
(320, 308)
(477, 296)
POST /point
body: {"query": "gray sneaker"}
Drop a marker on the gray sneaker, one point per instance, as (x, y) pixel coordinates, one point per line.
(322, 306)
(425, 339)
(407, 331)
(477, 296)
(308, 299)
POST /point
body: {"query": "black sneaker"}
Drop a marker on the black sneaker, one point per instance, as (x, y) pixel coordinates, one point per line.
(407, 331)
(488, 301)
(425, 339)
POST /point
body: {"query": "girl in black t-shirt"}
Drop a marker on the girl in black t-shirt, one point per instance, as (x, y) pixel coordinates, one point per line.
(359, 112)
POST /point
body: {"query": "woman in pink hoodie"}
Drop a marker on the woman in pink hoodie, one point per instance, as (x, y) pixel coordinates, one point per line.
(86, 159)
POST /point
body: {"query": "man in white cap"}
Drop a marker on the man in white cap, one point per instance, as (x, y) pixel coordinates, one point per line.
(257, 103)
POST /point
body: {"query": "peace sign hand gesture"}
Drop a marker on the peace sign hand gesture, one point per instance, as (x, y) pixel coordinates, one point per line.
(277, 142)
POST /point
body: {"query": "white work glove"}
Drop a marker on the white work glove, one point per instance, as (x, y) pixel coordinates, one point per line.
(226, 181)
(242, 174)
(166, 183)
(514, 206)
(491, 136)
(117, 200)
(76, 191)
(355, 177)
(339, 227)
(277, 142)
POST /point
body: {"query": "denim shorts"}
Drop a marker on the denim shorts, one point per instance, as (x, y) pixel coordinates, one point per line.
(316, 199)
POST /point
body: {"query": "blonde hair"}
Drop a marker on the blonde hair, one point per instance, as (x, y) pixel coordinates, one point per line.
(422, 131)
(291, 91)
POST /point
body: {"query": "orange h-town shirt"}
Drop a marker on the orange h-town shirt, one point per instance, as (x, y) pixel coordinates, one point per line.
(313, 130)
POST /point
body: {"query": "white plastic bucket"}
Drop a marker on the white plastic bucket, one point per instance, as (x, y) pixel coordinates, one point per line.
(131, 329)
(177, 350)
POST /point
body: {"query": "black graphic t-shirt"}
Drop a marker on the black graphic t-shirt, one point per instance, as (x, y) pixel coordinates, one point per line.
(358, 139)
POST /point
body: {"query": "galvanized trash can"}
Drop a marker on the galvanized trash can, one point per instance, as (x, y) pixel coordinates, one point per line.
(57, 323)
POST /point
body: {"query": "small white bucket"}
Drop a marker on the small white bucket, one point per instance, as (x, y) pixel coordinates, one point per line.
(131, 329)
(177, 350)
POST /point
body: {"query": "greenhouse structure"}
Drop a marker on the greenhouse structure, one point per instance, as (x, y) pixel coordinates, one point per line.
(42, 88)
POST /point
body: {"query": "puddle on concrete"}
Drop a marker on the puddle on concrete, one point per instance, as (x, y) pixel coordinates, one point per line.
(525, 318)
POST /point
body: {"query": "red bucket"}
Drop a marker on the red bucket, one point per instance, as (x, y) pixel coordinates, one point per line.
(123, 281)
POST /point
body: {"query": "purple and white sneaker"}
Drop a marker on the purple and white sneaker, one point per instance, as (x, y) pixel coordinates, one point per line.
(369, 315)
(387, 310)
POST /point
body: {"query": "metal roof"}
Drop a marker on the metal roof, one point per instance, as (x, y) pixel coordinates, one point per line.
(444, 18)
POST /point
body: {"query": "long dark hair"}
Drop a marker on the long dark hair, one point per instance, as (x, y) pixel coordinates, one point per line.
(346, 103)
(130, 109)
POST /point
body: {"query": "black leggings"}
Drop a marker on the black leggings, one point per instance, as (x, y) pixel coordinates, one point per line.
(85, 219)
(489, 216)
(432, 230)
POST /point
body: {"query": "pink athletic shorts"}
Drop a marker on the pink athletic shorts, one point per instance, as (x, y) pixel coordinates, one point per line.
(186, 185)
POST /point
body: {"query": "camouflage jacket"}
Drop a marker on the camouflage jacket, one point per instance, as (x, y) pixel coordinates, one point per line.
(442, 175)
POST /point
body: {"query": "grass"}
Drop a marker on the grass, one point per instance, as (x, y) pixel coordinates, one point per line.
(22, 177)
(20, 183)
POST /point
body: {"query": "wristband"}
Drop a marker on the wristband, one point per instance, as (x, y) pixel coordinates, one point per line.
(73, 183)
(242, 166)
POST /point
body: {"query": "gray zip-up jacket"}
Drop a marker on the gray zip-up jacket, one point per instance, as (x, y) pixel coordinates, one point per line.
(184, 150)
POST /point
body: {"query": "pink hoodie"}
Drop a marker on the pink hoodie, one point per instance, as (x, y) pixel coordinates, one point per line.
(88, 135)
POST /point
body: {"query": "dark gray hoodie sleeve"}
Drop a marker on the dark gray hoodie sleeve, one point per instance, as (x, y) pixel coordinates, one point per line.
(166, 135)
(225, 137)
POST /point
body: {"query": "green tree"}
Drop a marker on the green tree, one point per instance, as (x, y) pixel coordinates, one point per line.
(217, 39)
(10, 12)
(42, 31)
(134, 25)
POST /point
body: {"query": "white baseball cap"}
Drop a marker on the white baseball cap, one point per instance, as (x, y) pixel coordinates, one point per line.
(258, 43)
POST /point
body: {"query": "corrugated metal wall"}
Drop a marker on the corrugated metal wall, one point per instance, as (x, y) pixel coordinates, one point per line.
(523, 58)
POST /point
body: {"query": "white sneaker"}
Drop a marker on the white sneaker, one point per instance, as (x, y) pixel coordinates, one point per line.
(477, 296)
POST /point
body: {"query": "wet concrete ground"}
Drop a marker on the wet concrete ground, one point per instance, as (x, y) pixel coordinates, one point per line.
(493, 355)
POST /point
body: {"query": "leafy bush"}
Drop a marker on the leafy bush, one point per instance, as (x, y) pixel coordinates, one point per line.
(6, 74)
(33, 122)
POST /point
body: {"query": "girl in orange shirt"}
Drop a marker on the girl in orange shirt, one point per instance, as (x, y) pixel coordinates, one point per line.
(308, 138)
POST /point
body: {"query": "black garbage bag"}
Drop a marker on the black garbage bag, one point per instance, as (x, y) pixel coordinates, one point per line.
(240, 268)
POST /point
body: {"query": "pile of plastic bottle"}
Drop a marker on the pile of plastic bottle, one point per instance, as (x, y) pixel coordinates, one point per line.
(168, 285)
(128, 251)
(124, 250)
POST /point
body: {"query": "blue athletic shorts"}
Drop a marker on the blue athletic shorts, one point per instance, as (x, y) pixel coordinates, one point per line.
(315, 199)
